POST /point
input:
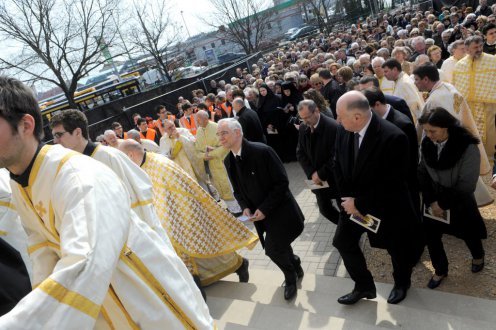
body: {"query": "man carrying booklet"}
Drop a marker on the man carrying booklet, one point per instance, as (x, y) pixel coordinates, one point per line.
(371, 169)
(315, 153)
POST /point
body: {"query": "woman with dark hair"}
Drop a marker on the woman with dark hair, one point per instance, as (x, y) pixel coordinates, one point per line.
(320, 101)
(448, 173)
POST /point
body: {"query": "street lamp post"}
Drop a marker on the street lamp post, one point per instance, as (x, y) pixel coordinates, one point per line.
(184, 21)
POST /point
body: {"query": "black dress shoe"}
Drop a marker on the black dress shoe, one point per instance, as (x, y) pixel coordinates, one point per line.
(354, 296)
(397, 294)
(477, 267)
(242, 271)
(289, 291)
(435, 283)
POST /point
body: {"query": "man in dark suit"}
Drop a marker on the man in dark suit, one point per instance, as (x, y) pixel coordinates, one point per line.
(394, 101)
(330, 90)
(249, 121)
(260, 185)
(315, 152)
(371, 171)
(377, 102)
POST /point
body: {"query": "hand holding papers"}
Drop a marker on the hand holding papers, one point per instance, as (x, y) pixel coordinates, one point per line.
(312, 185)
(368, 221)
(444, 217)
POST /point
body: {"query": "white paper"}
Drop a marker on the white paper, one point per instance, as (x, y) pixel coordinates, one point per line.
(313, 186)
(445, 219)
(244, 218)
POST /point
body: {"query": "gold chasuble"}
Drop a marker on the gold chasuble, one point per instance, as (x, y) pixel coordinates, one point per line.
(204, 235)
(475, 80)
(96, 264)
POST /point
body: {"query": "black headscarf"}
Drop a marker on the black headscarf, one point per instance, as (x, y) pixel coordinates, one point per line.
(294, 98)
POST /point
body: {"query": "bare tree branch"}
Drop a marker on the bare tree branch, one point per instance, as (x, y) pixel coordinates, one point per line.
(59, 39)
(242, 22)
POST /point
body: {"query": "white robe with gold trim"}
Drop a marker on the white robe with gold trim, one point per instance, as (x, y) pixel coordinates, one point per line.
(137, 183)
(406, 89)
(96, 264)
(11, 230)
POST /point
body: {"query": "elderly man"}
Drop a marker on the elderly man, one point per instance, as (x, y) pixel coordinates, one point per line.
(260, 185)
(249, 121)
(95, 262)
(404, 87)
(457, 51)
(178, 144)
(209, 150)
(203, 234)
(418, 45)
(149, 145)
(385, 85)
(111, 138)
(371, 169)
(474, 79)
(315, 153)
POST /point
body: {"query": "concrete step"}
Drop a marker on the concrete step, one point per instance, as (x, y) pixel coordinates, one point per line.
(422, 309)
(423, 299)
(242, 314)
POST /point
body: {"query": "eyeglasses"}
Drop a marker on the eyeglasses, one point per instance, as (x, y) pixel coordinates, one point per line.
(58, 135)
(222, 133)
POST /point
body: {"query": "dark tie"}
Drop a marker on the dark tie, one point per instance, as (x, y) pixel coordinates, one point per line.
(189, 120)
(238, 158)
(356, 145)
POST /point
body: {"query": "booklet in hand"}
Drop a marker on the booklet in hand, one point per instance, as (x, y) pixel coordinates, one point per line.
(313, 186)
(445, 218)
(368, 222)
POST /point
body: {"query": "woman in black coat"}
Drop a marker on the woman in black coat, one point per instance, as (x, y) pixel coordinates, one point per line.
(268, 104)
(448, 173)
(288, 118)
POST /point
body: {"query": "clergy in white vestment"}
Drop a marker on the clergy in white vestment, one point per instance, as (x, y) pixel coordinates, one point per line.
(457, 51)
(95, 263)
(70, 129)
(404, 87)
(15, 265)
(178, 144)
(385, 85)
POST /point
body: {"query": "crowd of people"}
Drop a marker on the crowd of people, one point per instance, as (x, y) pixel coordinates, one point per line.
(392, 109)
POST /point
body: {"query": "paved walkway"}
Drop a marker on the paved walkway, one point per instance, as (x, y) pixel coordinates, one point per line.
(314, 246)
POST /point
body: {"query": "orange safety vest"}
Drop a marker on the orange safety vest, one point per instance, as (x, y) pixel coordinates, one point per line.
(191, 127)
(150, 134)
(171, 117)
(226, 109)
(212, 112)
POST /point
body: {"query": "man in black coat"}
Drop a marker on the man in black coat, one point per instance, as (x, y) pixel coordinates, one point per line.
(315, 152)
(14, 278)
(260, 186)
(394, 101)
(371, 168)
(249, 121)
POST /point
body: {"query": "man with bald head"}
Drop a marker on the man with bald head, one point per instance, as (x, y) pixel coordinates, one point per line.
(371, 169)
(252, 127)
(203, 234)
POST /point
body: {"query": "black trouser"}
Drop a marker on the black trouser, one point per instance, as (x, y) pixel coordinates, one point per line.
(324, 202)
(438, 255)
(282, 255)
(347, 239)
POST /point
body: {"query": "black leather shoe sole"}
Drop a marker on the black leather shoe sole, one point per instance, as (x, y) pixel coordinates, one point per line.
(352, 297)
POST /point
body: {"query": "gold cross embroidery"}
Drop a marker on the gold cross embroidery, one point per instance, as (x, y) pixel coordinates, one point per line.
(40, 209)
